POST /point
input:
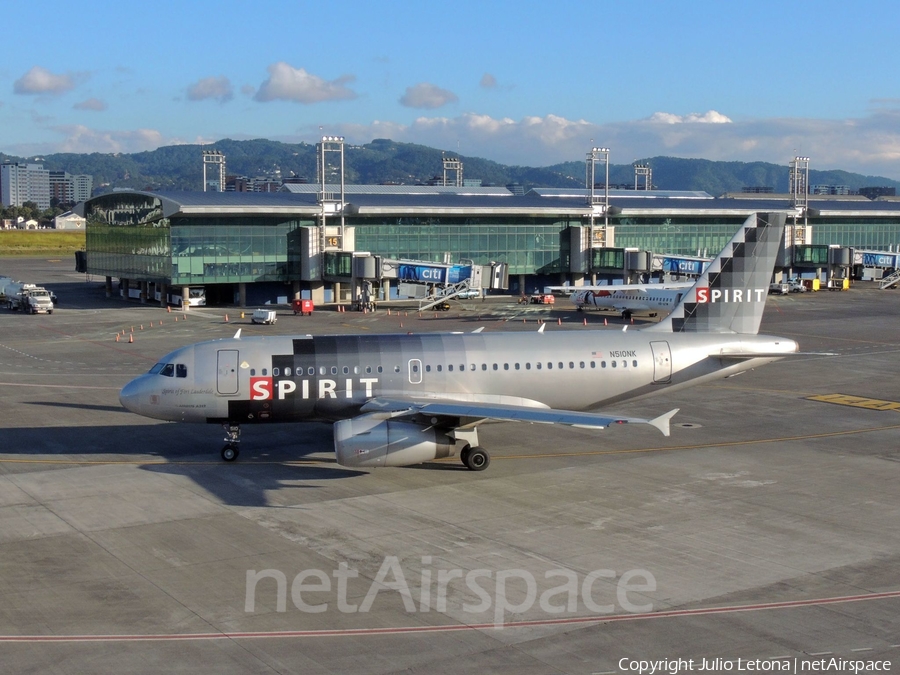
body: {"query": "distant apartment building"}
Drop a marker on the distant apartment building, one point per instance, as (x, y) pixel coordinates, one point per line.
(20, 183)
(69, 189)
(830, 190)
(876, 192)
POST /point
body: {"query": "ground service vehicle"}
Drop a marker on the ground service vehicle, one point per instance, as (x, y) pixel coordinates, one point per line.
(28, 298)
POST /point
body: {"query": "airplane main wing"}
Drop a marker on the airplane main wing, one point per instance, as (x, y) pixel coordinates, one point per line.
(389, 408)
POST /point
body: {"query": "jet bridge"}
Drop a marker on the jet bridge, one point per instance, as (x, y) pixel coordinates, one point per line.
(434, 283)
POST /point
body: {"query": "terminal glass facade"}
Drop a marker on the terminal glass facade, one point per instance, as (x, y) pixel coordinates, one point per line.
(529, 245)
(128, 237)
(865, 233)
(217, 250)
(676, 235)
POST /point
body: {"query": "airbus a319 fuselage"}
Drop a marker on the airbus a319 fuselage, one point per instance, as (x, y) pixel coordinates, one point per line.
(405, 399)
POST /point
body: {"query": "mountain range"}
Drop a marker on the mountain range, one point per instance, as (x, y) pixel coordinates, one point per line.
(179, 167)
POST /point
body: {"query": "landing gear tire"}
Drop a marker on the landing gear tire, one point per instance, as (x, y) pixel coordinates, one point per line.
(230, 452)
(626, 315)
(464, 454)
(477, 459)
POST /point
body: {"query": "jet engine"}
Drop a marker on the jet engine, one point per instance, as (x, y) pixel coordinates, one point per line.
(368, 442)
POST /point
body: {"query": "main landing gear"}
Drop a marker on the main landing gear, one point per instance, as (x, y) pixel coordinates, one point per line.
(230, 451)
(475, 458)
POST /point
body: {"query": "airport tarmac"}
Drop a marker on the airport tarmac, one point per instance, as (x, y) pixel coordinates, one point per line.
(765, 528)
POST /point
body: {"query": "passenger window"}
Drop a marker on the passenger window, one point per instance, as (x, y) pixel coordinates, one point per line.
(496, 367)
(624, 364)
(505, 366)
(527, 366)
(346, 370)
(180, 370)
(462, 367)
(356, 370)
(561, 365)
(603, 364)
(612, 363)
(634, 363)
(538, 365)
(571, 364)
(380, 369)
(168, 370)
(450, 367)
(323, 370)
(368, 369)
(472, 367)
(311, 371)
(581, 364)
(333, 370)
(440, 368)
(427, 369)
(252, 372)
(593, 364)
(396, 369)
(517, 366)
(549, 365)
(484, 366)
(276, 372)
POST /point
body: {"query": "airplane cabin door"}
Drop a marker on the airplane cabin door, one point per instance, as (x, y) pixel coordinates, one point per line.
(227, 372)
(662, 362)
(415, 371)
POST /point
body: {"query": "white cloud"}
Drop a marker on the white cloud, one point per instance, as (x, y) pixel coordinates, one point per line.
(709, 117)
(94, 104)
(869, 145)
(41, 81)
(287, 83)
(218, 88)
(78, 138)
(425, 95)
(488, 81)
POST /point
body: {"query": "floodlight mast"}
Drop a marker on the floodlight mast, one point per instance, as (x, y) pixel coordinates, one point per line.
(333, 237)
(595, 202)
(799, 180)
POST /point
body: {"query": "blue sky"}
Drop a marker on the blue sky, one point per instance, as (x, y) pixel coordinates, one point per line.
(517, 82)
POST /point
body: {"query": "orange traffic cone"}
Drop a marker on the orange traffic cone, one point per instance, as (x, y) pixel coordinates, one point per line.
(604, 322)
(226, 318)
(131, 338)
(117, 337)
(559, 321)
(584, 322)
(168, 309)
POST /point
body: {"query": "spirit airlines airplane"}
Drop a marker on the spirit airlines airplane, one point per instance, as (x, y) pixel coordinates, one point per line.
(629, 298)
(398, 400)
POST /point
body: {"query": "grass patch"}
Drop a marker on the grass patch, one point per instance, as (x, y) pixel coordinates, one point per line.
(40, 242)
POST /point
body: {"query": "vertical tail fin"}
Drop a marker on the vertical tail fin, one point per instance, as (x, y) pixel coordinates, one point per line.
(729, 297)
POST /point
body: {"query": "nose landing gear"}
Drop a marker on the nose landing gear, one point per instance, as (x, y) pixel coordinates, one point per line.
(231, 450)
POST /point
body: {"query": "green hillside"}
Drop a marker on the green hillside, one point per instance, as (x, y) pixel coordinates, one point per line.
(179, 167)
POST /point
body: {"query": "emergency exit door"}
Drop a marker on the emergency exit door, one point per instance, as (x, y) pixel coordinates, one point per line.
(662, 362)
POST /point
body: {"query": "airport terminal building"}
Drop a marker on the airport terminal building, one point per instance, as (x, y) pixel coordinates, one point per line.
(252, 248)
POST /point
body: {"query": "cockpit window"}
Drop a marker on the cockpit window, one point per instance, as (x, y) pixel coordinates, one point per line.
(155, 369)
(180, 370)
(168, 370)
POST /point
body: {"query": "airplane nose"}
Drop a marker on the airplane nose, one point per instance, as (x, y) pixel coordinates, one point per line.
(130, 395)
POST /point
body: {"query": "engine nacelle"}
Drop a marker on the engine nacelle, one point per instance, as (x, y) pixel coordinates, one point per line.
(368, 442)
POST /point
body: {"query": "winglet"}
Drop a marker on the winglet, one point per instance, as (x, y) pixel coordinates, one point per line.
(662, 422)
(479, 329)
(237, 336)
(541, 329)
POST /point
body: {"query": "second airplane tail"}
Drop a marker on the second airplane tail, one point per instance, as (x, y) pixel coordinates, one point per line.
(729, 297)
